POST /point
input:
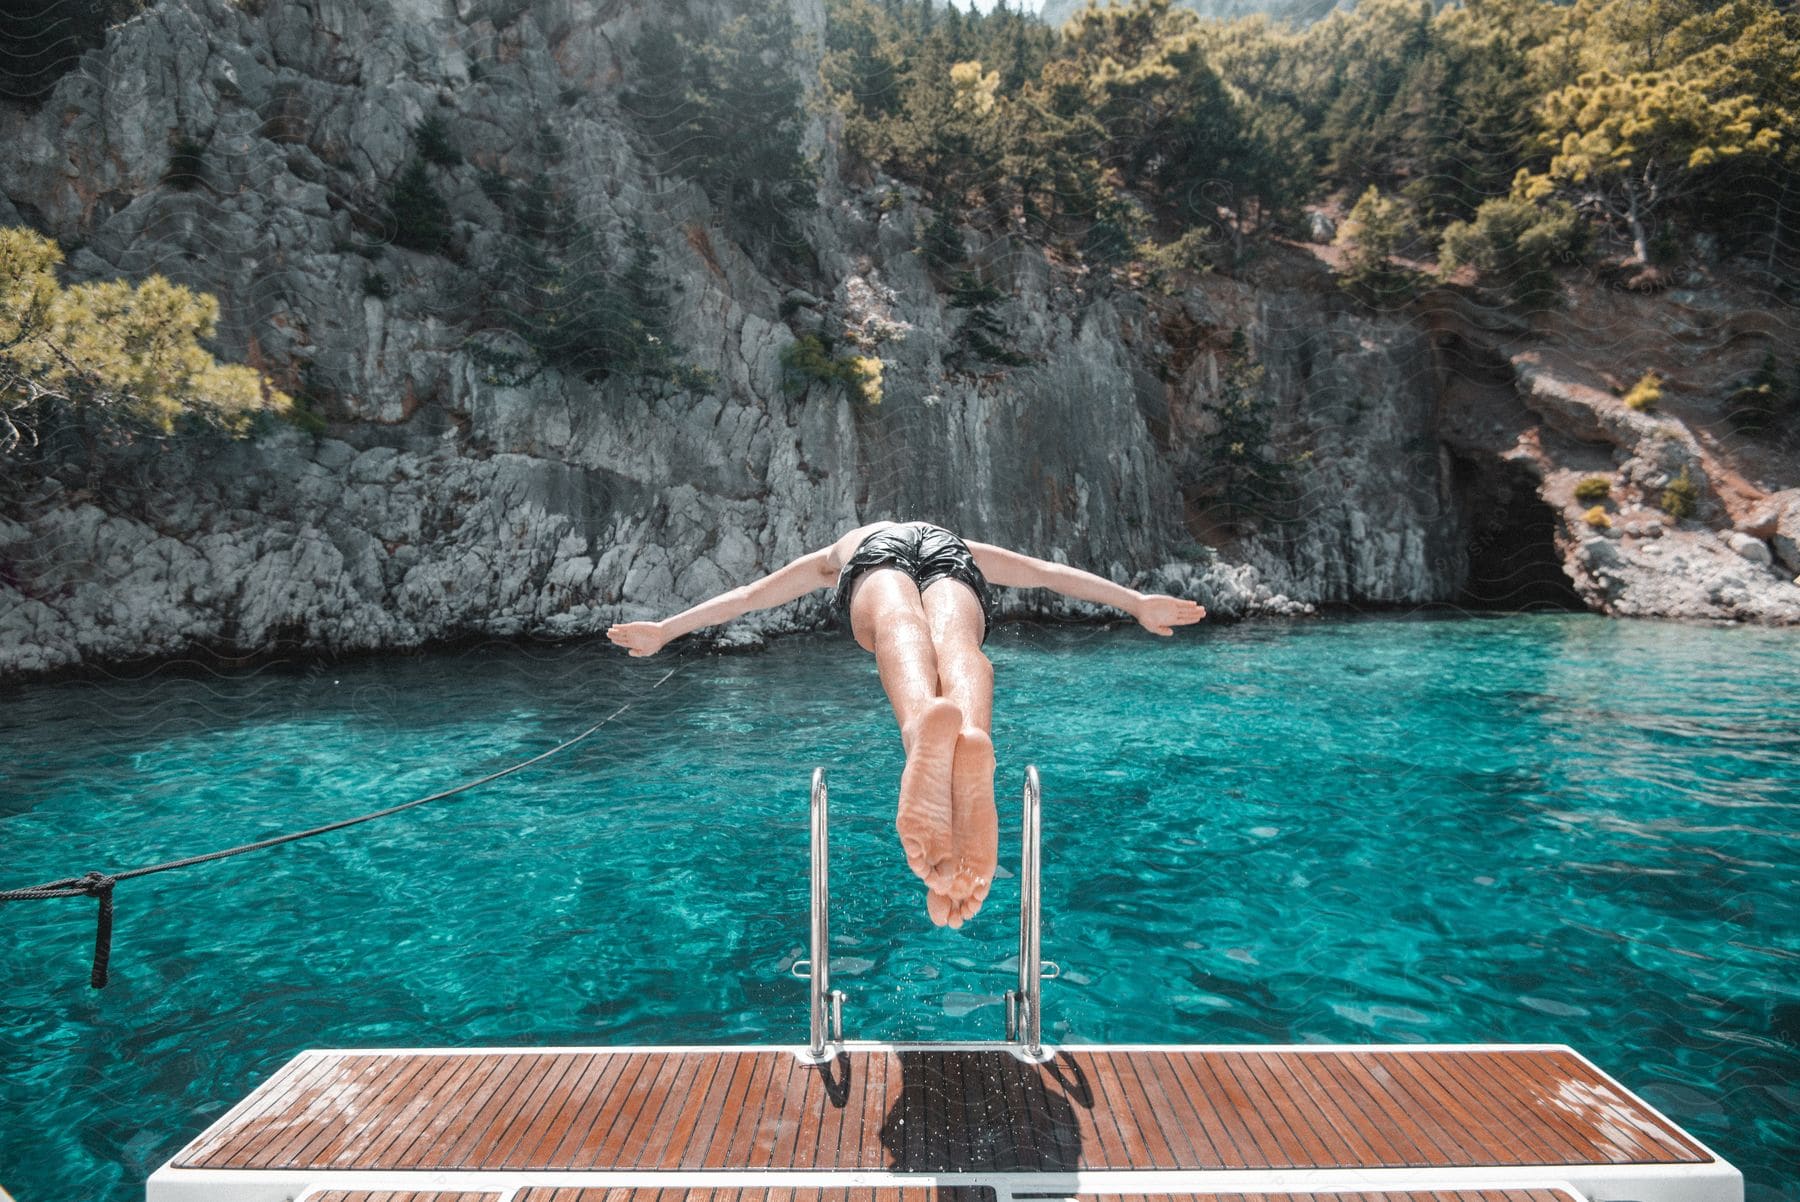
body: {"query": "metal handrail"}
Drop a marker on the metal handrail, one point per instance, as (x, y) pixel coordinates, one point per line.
(1024, 1006)
(825, 1005)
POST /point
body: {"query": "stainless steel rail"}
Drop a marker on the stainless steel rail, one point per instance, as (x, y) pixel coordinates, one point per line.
(1024, 1008)
(1024, 1005)
(825, 1004)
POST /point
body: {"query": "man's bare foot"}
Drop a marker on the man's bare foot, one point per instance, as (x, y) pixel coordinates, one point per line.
(924, 816)
(975, 822)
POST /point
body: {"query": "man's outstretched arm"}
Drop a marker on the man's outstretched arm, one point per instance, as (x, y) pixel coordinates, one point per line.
(1155, 612)
(802, 576)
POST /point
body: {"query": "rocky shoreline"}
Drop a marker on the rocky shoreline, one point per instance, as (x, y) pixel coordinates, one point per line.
(1435, 450)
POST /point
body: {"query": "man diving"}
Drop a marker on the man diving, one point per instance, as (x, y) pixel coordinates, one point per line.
(917, 596)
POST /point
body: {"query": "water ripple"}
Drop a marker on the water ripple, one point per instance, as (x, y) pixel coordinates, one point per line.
(1548, 828)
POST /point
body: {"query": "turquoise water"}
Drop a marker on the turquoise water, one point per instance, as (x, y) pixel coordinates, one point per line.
(1544, 828)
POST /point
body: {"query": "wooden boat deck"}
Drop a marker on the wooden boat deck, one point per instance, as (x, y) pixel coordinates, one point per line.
(762, 1125)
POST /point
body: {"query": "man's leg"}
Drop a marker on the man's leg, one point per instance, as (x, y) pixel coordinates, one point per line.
(888, 618)
(966, 678)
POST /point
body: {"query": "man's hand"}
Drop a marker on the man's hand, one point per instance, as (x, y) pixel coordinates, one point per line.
(640, 638)
(1160, 614)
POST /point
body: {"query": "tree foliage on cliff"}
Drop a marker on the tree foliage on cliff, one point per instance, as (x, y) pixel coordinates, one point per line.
(722, 106)
(1137, 123)
(578, 305)
(124, 357)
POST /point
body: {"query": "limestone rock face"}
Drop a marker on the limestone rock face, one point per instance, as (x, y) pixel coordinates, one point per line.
(444, 499)
(1649, 563)
(1690, 573)
(1777, 519)
(447, 503)
(1370, 518)
(1753, 549)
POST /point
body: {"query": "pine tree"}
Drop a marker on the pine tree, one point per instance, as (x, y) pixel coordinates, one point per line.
(126, 357)
(1373, 232)
(1632, 144)
(1516, 246)
(724, 107)
(417, 216)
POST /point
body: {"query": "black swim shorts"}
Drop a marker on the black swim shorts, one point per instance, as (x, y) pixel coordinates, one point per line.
(925, 552)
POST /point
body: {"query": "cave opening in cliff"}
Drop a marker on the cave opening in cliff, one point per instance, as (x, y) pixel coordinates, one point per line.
(1514, 563)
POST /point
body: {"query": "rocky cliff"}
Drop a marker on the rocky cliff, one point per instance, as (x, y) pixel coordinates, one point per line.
(435, 499)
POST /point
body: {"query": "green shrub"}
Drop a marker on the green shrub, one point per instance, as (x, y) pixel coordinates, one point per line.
(1593, 489)
(813, 358)
(1596, 517)
(417, 217)
(1112, 236)
(1194, 251)
(1240, 471)
(1516, 245)
(1645, 394)
(496, 187)
(187, 166)
(1763, 404)
(1373, 232)
(1681, 497)
(432, 137)
(376, 285)
(577, 307)
(983, 334)
(942, 243)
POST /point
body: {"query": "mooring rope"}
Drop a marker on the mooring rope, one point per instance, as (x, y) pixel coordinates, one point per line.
(99, 885)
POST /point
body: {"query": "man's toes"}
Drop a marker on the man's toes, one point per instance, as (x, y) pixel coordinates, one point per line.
(938, 906)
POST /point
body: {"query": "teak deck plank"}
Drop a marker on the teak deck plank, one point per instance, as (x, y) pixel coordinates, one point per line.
(603, 1115)
(1379, 1108)
(242, 1123)
(972, 1110)
(1420, 1117)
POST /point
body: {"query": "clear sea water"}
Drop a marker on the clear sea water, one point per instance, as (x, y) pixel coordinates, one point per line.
(1522, 828)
